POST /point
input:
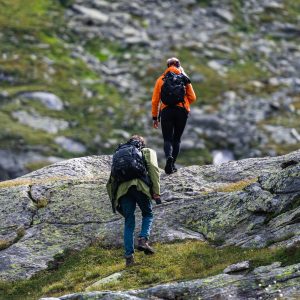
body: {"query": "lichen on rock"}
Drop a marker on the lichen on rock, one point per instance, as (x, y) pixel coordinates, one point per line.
(65, 206)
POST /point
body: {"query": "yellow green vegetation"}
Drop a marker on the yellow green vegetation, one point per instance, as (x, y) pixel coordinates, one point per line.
(23, 14)
(36, 165)
(31, 181)
(236, 186)
(177, 261)
(20, 232)
(195, 157)
(289, 14)
(238, 76)
(4, 244)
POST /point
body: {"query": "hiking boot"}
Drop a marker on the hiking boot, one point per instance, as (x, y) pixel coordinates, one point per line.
(169, 165)
(144, 246)
(174, 169)
(129, 260)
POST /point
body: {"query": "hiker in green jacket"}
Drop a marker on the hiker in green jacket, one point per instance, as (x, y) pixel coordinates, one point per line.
(126, 194)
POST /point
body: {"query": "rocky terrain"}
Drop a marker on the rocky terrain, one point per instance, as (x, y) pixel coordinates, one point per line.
(252, 203)
(76, 77)
(267, 282)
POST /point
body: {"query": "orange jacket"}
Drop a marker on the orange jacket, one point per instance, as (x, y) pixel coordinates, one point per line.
(189, 97)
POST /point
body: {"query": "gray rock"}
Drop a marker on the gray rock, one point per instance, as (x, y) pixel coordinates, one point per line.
(91, 13)
(36, 121)
(222, 156)
(224, 15)
(4, 77)
(282, 135)
(69, 200)
(230, 96)
(269, 282)
(196, 77)
(111, 278)
(241, 266)
(274, 5)
(14, 163)
(50, 100)
(217, 66)
(70, 145)
(202, 35)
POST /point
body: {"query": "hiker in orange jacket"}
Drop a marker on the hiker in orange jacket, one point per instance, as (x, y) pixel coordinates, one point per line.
(173, 117)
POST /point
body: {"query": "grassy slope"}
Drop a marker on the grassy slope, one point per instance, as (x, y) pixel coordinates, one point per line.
(32, 34)
(172, 262)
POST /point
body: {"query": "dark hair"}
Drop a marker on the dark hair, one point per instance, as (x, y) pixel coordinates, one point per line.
(173, 61)
(138, 139)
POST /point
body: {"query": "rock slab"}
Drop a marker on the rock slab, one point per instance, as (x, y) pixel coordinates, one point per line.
(247, 203)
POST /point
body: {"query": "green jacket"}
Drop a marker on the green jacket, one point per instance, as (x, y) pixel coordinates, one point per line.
(116, 191)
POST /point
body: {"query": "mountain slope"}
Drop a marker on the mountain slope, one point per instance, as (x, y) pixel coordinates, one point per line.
(76, 77)
(249, 203)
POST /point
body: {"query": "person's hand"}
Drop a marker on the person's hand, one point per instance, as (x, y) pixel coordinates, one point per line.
(155, 124)
(156, 198)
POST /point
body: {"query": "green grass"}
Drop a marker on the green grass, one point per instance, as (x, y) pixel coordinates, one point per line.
(204, 3)
(104, 49)
(237, 78)
(88, 117)
(195, 157)
(172, 262)
(290, 13)
(24, 14)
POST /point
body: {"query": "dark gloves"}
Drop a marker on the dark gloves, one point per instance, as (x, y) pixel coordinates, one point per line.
(157, 199)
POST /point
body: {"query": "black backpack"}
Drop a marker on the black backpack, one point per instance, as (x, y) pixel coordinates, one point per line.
(173, 88)
(128, 163)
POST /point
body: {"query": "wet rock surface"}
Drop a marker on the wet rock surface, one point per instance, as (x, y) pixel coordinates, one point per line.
(65, 206)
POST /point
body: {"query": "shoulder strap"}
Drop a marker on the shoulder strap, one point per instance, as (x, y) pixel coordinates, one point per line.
(146, 178)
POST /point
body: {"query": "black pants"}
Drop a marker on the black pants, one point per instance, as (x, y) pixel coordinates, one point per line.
(173, 121)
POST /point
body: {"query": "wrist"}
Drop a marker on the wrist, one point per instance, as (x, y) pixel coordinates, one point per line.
(154, 118)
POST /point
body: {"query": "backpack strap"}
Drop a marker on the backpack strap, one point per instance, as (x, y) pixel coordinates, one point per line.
(146, 178)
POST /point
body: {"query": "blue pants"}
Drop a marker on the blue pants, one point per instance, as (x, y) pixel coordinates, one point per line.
(128, 204)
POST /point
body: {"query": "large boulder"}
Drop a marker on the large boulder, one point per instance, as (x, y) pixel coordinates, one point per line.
(249, 203)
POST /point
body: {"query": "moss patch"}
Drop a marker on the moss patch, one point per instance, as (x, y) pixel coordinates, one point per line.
(29, 181)
(236, 186)
(4, 244)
